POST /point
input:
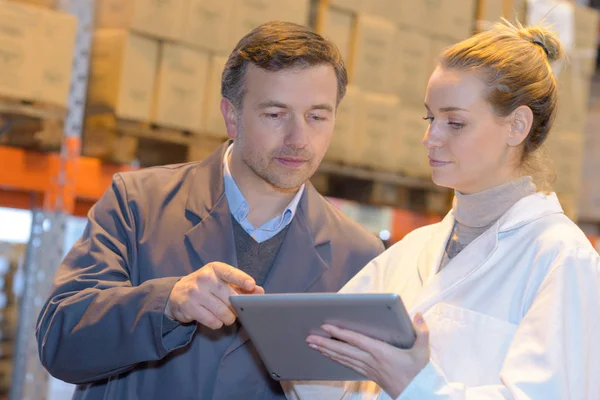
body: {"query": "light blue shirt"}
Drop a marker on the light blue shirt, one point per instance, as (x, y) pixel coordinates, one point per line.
(239, 207)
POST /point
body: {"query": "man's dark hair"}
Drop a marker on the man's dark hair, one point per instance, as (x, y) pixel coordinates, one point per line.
(277, 45)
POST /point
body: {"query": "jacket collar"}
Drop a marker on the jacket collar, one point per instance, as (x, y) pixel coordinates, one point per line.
(207, 189)
(208, 203)
(437, 284)
(529, 209)
(208, 192)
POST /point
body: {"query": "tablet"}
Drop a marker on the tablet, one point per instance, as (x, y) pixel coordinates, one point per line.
(278, 325)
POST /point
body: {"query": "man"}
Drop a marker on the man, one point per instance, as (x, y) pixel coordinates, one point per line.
(139, 307)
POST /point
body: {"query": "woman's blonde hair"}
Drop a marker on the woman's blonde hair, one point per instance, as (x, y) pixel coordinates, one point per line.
(514, 61)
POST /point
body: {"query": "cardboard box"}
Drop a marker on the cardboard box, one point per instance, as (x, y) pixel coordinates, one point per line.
(39, 3)
(37, 53)
(373, 53)
(57, 42)
(381, 8)
(410, 69)
(489, 12)
(409, 14)
(249, 14)
(586, 39)
(122, 74)
(518, 11)
(351, 5)
(412, 155)
(458, 22)
(450, 18)
(149, 17)
(19, 59)
(213, 121)
(346, 131)
(180, 87)
(297, 11)
(589, 189)
(437, 47)
(434, 12)
(566, 151)
(205, 24)
(570, 204)
(573, 100)
(378, 121)
(337, 27)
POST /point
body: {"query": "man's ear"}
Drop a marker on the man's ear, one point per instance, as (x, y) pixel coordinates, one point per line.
(230, 116)
(522, 119)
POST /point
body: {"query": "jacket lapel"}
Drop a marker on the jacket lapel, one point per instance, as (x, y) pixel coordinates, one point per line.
(303, 257)
(211, 237)
(437, 283)
(469, 260)
(430, 256)
(463, 265)
(300, 261)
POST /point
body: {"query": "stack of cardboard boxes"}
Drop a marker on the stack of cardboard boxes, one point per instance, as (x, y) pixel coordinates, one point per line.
(160, 62)
(36, 53)
(390, 48)
(589, 199)
(490, 12)
(567, 140)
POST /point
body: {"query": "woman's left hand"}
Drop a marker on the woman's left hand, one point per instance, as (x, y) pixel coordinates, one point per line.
(388, 366)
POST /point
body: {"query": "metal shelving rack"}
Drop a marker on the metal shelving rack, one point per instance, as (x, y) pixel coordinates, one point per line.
(44, 253)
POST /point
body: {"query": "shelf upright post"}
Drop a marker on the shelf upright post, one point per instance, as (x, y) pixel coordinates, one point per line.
(46, 244)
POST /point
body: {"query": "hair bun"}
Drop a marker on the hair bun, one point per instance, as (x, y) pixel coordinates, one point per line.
(545, 39)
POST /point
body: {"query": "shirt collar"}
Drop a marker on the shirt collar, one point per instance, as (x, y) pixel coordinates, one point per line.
(238, 205)
(235, 198)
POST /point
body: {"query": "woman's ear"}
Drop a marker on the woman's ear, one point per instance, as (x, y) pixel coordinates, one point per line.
(522, 119)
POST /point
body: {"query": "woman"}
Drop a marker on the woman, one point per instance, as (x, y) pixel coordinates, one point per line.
(505, 290)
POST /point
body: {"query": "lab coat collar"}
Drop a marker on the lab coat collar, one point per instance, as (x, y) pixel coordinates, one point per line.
(437, 283)
(529, 209)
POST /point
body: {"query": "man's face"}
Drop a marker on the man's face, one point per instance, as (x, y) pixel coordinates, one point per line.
(286, 122)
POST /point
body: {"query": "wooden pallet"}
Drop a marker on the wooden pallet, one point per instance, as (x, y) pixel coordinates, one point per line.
(31, 109)
(125, 141)
(379, 176)
(381, 188)
(29, 124)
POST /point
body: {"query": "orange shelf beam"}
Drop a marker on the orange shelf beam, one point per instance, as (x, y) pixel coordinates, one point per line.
(24, 170)
(94, 177)
(26, 177)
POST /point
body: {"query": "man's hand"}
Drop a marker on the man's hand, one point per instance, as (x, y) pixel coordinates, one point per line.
(203, 296)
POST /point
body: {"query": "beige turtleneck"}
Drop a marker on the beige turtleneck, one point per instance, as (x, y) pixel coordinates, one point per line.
(475, 213)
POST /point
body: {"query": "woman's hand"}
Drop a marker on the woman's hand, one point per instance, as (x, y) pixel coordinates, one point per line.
(388, 366)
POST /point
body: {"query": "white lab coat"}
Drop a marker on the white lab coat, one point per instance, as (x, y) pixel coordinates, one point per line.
(515, 315)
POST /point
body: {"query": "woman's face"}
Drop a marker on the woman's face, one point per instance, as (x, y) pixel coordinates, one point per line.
(468, 143)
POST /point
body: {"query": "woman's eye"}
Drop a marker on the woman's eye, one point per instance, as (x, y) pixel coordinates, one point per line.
(430, 119)
(456, 125)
